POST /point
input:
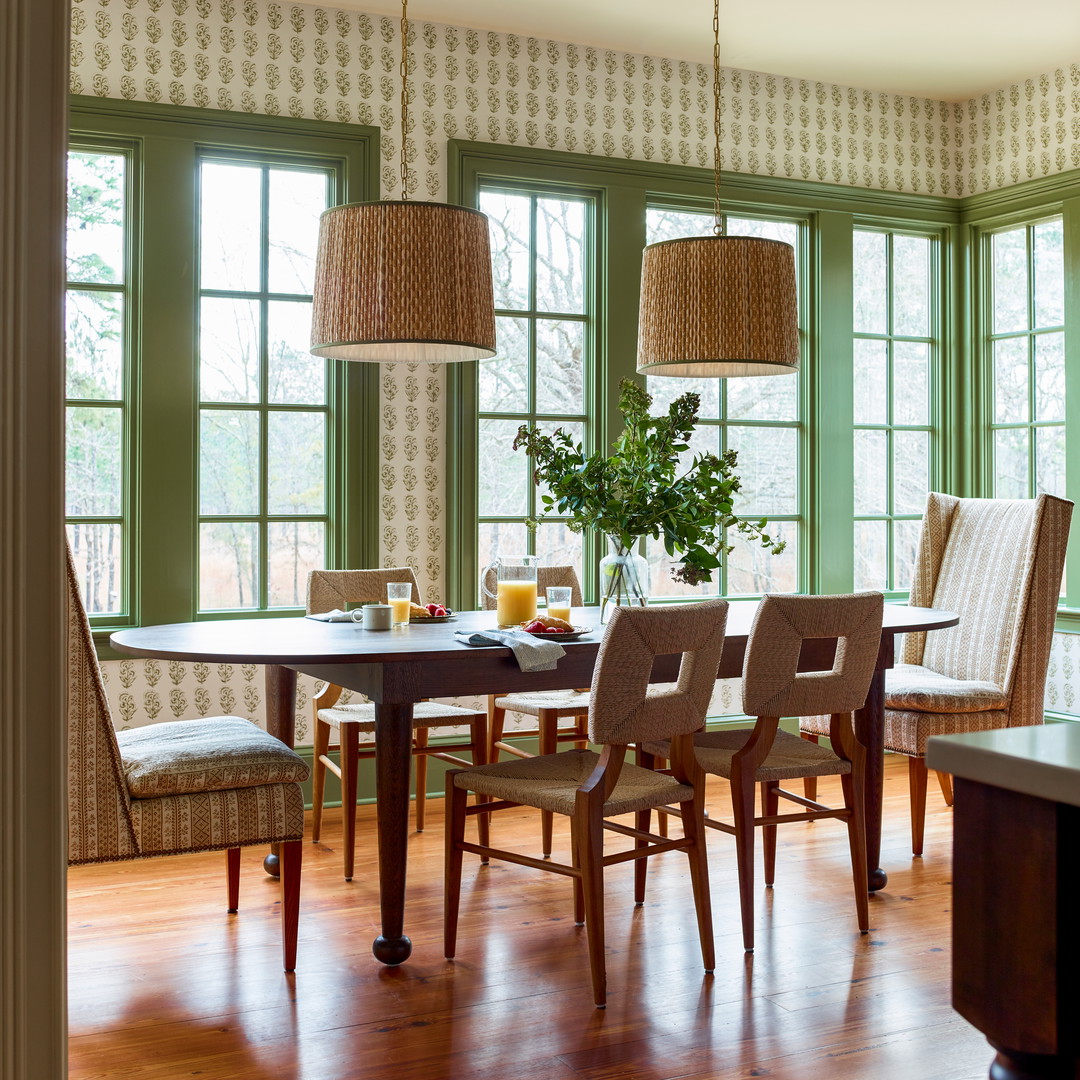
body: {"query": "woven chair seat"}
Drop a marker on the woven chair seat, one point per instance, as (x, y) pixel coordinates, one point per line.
(426, 714)
(789, 758)
(551, 782)
(565, 702)
(906, 732)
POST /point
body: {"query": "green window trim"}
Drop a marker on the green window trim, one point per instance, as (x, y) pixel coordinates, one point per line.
(625, 189)
(164, 405)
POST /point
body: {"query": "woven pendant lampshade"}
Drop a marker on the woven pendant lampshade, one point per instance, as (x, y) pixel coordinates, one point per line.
(718, 306)
(403, 281)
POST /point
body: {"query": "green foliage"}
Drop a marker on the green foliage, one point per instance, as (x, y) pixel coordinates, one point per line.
(644, 488)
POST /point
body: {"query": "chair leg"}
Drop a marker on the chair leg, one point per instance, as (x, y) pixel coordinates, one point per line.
(693, 819)
(549, 743)
(854, 800)
(591, 852)
(770, 805)
(232, 877)
(642, 821)
(420, 740)
(291, 856)
(495, 729)
(350, 741)
(917, 787)
(579, 891)
(318, 785)
(479, 748)
(581, 727)
(456, 800)
(742, 804)
(809, 783)
(945, 780)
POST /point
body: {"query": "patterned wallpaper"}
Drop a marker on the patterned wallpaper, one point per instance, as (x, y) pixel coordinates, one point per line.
(318, 62)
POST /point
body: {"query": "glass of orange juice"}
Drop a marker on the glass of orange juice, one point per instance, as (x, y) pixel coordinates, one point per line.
(558, 601)
(399, 597)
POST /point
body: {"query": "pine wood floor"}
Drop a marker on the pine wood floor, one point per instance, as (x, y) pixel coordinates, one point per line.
(164, 984)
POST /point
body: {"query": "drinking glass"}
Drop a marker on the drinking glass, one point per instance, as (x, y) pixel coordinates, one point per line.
(399, 597)
(558, 601)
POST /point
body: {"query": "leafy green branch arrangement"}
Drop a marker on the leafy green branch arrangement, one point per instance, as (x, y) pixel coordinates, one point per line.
(643, 488)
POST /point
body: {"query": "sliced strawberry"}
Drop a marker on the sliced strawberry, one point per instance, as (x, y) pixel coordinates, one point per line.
(432, 608)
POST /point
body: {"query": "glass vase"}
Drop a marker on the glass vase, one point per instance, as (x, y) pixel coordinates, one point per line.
(624, 579)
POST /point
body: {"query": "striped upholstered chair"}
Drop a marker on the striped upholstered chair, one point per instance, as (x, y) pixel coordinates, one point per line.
(218, 783)
(998, 564)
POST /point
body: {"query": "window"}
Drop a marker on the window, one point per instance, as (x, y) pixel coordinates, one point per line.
(896, 338)
(756, 416)
(1026, 354)
(212, 460)
(97, 305)
(264, 398)
(543, 371)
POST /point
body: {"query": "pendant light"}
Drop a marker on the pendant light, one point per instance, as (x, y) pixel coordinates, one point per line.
(718, 305)
(402, 280)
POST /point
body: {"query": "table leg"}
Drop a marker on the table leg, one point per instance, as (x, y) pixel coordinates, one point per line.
(393, 758)
(870, 727)
(281, 723)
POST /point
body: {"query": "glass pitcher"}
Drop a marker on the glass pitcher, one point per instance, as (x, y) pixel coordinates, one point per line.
(515, 588)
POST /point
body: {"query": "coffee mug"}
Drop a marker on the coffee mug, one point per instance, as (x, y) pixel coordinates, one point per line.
(373, 616)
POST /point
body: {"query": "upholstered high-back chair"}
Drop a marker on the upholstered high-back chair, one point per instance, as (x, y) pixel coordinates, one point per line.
(588, 787)
(997, 563)
(345, 724)
(177, 787)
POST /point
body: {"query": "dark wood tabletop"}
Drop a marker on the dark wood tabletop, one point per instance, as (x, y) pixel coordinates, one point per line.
(396, 668)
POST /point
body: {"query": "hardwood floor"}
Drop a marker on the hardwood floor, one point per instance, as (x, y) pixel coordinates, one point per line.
(164, 984)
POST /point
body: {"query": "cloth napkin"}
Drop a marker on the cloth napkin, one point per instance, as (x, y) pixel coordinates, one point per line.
(532, 653)
(337, 615)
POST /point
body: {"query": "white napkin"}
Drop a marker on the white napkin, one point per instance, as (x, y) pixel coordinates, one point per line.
(533, 653)
(337, 615)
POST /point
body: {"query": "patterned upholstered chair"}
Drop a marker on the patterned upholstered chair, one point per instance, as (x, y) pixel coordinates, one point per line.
(998, 564)
(330, 589)
(548, 706)
(589, 788)
(177, 787)
(766, 755)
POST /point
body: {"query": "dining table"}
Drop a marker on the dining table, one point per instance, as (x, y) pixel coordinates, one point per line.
(397, 668)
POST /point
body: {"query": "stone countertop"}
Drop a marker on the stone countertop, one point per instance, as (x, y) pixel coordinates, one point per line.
(1043, 761)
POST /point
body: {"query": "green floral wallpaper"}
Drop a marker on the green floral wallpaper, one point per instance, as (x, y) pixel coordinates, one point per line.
(317, 62)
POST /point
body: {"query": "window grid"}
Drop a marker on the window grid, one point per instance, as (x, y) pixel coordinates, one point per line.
(1035, 479)
(507, 533)
(899, 557)
(100, 541)
(671, 222)
(263, 520)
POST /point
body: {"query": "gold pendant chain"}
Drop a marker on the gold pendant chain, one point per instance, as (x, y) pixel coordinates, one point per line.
(718, 221)
(404, 69)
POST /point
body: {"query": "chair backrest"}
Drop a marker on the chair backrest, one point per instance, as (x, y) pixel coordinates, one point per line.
(622, 710)
(330, 589)
(772, 683)
(998, 564)
(100, 828)
(545, 576)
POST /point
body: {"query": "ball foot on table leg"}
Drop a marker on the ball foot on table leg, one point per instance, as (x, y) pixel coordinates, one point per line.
(271, 865)
(1015, 1065)
(878, 879)
(391, 951)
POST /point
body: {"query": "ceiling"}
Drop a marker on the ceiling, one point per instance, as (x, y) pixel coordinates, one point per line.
(944, 49)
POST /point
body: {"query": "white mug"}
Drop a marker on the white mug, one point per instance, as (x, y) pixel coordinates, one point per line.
(374, 616)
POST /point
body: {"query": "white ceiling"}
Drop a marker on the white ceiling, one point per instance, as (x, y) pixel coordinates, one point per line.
(945, 49)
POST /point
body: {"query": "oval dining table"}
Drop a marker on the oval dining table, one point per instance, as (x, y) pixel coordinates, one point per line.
(398, 668)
